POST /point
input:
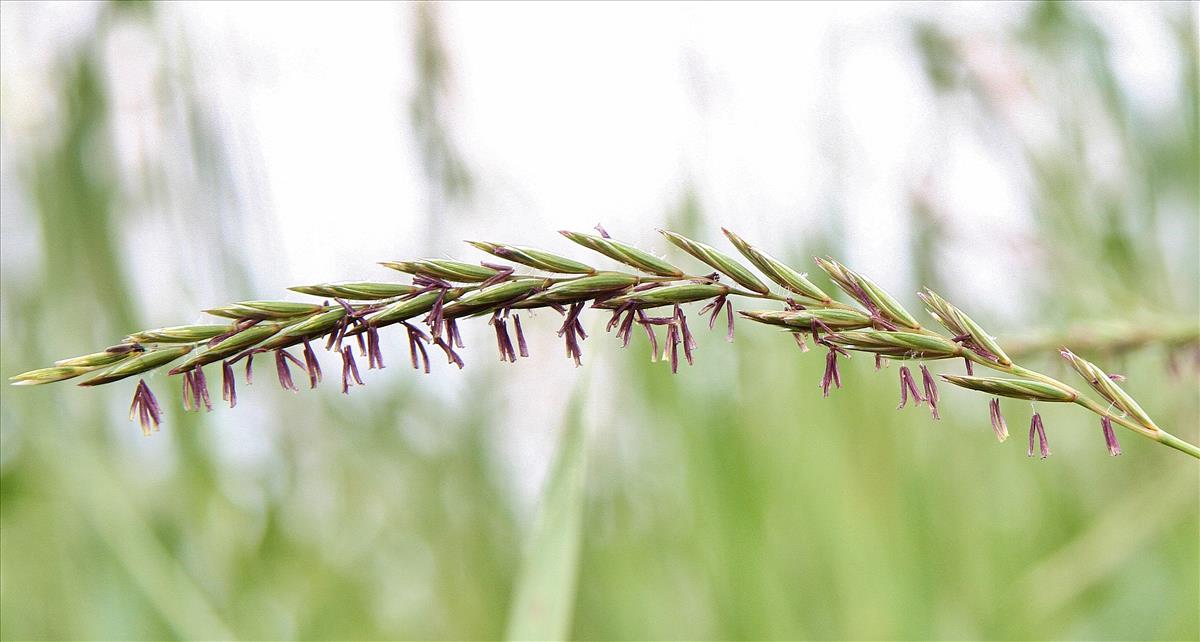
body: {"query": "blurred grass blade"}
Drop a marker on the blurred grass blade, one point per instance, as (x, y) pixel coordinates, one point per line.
(544, 599)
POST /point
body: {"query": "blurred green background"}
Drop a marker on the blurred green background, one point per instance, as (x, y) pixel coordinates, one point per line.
(615, 501)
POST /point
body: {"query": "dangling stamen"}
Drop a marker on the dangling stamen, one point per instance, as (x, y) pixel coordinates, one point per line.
(831, 377)
(349, 369)
(644, 321)
(250, 368)
(998, 423)
(931, 391)
(671, 350)
(451, 355)
(1110, 437)
(374, 354)
(228, 384)
(689, 342)
(313, 366)
(455, 337)
(435, 318)
(716, 306)
(1038, 430)
(572, 332)
(416, 347)
(189, 400)
(908, 386)
(503, 342)
(282, 370)
(729, 320)
(145, 408)
(201, 389)
(521, 346)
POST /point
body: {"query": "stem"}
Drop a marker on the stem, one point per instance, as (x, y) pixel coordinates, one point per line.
(1168, 439)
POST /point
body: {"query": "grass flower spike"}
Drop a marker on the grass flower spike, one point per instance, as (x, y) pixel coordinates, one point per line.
(443, 292)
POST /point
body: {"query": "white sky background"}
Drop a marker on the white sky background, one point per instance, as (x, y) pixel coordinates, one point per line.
(567, 115)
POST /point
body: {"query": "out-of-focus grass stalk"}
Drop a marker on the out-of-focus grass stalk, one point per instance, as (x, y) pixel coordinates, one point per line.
(163, 580)
(1109, 335)
(544, 599)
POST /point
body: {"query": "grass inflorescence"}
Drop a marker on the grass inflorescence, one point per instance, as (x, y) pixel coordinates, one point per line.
(442, 292)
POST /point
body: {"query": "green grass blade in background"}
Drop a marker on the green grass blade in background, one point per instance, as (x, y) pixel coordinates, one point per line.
(544, 600)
